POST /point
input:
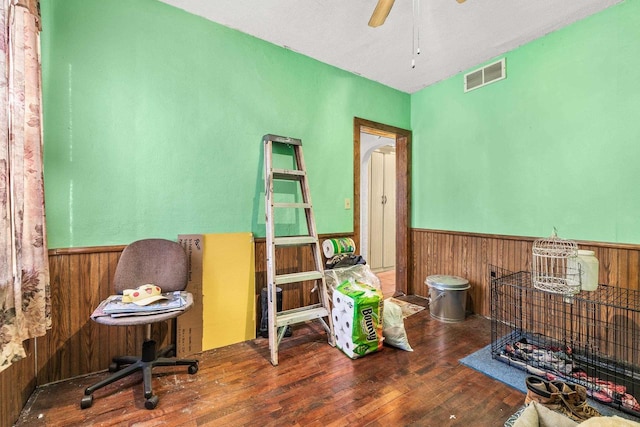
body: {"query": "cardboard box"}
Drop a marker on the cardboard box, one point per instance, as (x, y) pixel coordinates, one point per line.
(189, 325)
(222, 281)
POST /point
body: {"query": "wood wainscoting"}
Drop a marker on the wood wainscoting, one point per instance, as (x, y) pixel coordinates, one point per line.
(469, 255)
(17, 383)
(289, 259)
(81, 278)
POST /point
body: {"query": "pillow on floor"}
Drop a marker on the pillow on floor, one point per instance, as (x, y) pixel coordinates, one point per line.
(536, 415)
(614, 421)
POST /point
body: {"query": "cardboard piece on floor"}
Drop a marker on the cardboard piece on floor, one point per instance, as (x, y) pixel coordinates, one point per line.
(227, 292)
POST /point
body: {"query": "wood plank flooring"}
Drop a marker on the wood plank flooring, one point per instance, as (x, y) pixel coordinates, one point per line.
(314, 385)
(387, 282)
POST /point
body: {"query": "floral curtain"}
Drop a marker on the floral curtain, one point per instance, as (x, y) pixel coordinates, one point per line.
(25, 310)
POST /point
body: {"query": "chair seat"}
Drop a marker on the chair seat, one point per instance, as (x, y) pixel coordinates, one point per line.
(144, 319)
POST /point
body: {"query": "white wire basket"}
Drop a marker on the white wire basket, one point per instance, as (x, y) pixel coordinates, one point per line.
(554, 266)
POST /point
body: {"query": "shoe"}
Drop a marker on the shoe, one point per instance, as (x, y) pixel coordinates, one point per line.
(543, 392)
(547, 394)
(574, 397)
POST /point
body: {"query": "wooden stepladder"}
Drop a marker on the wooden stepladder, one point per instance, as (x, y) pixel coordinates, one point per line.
(278, 321)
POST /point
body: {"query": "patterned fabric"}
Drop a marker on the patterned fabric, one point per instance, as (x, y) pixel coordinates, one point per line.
(25, 307)
(513, 418)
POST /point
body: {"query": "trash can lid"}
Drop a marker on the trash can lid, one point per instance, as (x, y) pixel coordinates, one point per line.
(443, 282)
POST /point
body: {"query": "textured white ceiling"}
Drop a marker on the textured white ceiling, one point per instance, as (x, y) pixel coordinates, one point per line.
(452, 37)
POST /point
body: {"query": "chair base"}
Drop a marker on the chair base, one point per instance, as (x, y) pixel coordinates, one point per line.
(145, 363)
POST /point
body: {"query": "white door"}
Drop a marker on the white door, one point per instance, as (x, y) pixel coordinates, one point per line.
(382, 210)
(389, 212)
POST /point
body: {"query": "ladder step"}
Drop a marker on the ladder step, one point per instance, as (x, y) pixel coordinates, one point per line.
(302, 314)
(302, 276)
(281, 139)
(294, 240)
(292, 205)
(289, 174)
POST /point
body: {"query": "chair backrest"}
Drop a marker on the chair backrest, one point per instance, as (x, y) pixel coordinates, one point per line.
(157, 261)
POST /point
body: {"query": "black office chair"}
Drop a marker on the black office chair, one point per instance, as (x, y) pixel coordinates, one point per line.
(162, 263)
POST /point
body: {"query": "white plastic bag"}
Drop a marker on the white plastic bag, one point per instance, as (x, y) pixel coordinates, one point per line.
(393, 326)
(357, 273)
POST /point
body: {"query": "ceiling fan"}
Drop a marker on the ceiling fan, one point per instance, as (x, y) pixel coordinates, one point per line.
(382, 10)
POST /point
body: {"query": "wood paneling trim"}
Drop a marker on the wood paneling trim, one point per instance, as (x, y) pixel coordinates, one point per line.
(403, 211)
(403, 194)
(357, 125)
(321, 237)
(378, 132)
(469, 255)
(86, 250)
(531, 239)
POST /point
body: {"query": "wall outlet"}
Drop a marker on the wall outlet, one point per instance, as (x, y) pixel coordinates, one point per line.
(347, 203)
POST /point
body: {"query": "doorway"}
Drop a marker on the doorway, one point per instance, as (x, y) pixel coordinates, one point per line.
(377, 201)
(398, 142)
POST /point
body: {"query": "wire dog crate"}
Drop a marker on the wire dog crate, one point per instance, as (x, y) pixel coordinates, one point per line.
(589, 338)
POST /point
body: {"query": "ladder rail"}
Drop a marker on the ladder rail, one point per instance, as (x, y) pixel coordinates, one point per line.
(274, 339)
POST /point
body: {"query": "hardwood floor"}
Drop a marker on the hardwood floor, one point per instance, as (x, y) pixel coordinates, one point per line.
(314, 385)
(387, 282)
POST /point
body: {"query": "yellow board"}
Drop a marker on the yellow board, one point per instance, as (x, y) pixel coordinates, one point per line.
(228, 289)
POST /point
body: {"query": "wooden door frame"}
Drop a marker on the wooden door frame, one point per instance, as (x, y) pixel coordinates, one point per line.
(403, 195)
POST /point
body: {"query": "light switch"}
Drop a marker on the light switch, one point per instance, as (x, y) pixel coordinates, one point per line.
(347, 203)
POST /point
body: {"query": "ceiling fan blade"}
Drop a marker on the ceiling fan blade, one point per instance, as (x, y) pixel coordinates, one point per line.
(380, 13)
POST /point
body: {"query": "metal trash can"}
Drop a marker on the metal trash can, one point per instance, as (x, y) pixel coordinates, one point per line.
(447, 297)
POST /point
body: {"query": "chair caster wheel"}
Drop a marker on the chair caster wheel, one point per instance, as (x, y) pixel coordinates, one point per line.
(151, 402)
(193, 369)
(114, 367)
(86, 401)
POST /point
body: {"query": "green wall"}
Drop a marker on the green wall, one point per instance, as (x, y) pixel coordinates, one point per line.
(153, 120)
(557, 143)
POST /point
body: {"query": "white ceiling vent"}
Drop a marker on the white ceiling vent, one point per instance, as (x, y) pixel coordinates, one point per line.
(485, 75)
